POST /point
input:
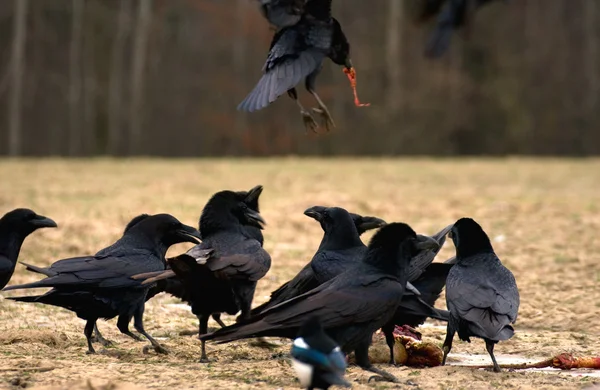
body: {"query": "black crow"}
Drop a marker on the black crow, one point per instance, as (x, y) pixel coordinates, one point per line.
(340, 248)
(452, 14)
(481, 293)
(227, 280)
(100, 286)
(351, 306)
(15, 226)
(317, 359)
(306, 35)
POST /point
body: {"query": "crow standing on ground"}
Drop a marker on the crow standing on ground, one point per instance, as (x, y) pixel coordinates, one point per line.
(452, 14)
(481, 293)
(351, 306)
(317, 359)
(15, 226)
(227, 280)
(340, 249)
(306, 34)
(174, 286)
(100, 286)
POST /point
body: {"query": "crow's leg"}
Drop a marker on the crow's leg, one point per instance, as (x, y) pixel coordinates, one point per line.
(217, 317)
(138, 324)
(88, 330)
(362, 359)
(322, 110)
(448, 341)
(202, 331)
(99, 338)
(388, 331)
(489, 345)
(309, 121)
(123, 326)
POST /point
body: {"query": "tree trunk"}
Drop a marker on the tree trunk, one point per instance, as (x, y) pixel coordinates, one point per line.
(90, 87)
(393, 56)
(16, 70)
(75, 130)
(142, 28)
(591, 52)
(115, 90)
(239, 62)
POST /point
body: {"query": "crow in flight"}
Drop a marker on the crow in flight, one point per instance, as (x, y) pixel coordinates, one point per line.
(481, 293)
(227, 280)
(451, 15)
(351, 306)
(306, 34)
(15, 226)
(317, 359)
(340, 249)
(100, 286)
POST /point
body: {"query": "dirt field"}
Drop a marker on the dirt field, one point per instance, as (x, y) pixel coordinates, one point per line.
(542, 215)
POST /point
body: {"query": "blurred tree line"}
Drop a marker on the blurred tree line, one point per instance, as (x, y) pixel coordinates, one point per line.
(164, 77)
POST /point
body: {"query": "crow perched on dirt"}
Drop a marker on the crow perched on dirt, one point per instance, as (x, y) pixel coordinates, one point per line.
(452, 14)
(227, 280)
(306, 34)
(15, 226)
(317, 359)
(340, 249)
(100, 286)
(351, 306)
(481, 293)
(174, 286)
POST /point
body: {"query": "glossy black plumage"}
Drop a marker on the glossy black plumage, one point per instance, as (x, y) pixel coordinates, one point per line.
(15, 226)
(481, 294)
(340, 249)
(226, 281)
(351, 306)
(100, 286)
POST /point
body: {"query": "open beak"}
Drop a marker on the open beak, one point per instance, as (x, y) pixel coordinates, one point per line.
(315, 212)
(426, 242)
(368, 223)
(254, 216)
(189, 234)
(43, 222)
(253, 194)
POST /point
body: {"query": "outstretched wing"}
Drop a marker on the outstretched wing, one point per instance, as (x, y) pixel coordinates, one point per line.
(246, 260)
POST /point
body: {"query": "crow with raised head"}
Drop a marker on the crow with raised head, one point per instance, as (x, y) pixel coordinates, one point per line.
(481, 293)
(451, 15)
(340, 249)
(306, 34)
(317, 359)
(351, 306)
(226, 281)
(15, 226)
(100, 286)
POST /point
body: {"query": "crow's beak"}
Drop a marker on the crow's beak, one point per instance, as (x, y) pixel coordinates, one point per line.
(189, 234)
(315, 212)
(43, 222)
(426, 242)
(253, 194)
(254, 216)
(368, 223)
(348, 64)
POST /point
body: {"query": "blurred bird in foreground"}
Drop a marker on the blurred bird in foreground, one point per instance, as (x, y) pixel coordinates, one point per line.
(317, 359)
(481, 294)
(306, 34)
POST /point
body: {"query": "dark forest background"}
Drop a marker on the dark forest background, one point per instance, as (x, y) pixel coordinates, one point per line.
(164, 77)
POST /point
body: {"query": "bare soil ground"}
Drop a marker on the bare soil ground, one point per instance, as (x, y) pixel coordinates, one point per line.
(542, 215)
